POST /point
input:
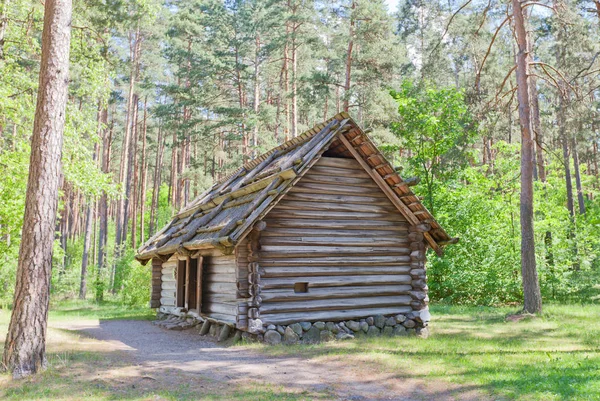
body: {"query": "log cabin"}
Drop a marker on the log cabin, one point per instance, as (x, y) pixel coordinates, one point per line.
(320, 230)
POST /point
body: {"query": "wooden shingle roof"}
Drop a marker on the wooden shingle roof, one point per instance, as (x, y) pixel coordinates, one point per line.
(223, 215)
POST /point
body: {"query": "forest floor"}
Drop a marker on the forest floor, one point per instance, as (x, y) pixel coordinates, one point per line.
(111, 352)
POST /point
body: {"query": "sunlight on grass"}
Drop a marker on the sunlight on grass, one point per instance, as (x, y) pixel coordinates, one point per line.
(552, 357)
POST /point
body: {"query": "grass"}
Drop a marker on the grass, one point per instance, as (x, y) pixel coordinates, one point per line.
(552, 357)
(107, 310)
(81, 368)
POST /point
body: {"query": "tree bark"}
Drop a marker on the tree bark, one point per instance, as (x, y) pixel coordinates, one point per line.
(256, 94)
(531, 287)
(349, 61)
(86, 250)
(103, 207)
(130, 172)
(25, 347)
(144, 175)
(134, 49)
(156, 184)
(580, 200)
(3, 25)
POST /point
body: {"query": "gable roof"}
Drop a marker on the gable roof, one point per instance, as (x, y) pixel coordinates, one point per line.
(224, 214)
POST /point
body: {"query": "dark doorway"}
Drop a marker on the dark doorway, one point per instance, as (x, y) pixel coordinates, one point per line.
(181, 275)
(193, 285)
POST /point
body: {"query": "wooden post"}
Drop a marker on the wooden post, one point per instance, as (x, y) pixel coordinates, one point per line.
(199, 284)
(156, 283)
(186, 301)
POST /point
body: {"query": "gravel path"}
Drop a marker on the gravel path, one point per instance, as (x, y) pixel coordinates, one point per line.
(155, 350)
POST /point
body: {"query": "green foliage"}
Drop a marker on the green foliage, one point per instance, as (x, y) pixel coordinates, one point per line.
(136, 287)
(436, 125)
(482, 208)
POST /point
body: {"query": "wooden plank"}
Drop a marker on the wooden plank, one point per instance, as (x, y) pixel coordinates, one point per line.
(366, 182)
(291, 251)
(337, 281)
(274, 295)
(167, 294)
(167, 277)
(186, 300)
(334, 207)
(337, 241)
(222, 308)
(168, 285)
(167, 301)
(335, 260)
(382, 184)
(331, 189)
(324, 231)
(365, 199)
(338, 162)
(223, 318)
(350, 215)
(337, 172)
(341, 224)
(309, 306)
(309, 271)
(220, 277)
(335, 315)
(219, 288)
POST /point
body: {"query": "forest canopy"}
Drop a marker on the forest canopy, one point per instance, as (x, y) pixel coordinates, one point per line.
(166, 98)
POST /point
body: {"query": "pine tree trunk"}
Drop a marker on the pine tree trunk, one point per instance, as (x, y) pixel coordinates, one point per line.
(156, 181)
(531, 286)
(25, 346)
(103, 208)
(133, 198)
(566, 159)
(580, 200)
(3, 26)
(294, 115)
(144, 175)
(129, 185)
(133, 53)
(256, 94)
(349, 61)
(86, 251)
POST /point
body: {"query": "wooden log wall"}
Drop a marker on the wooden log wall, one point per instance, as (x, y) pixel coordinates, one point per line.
(219, 290)
(337, 232)
(169, 285)
(155, 295)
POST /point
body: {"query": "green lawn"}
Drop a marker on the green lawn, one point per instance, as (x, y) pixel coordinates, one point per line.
(552, 357)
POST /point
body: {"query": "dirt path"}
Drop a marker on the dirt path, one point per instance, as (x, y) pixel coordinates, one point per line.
(178, 357)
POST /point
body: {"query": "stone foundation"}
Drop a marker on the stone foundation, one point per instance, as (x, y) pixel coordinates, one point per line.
(413, 323)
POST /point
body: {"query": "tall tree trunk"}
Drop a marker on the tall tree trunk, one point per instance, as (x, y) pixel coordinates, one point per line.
(577, 175)
(531, 285)
(294, 115)
(134, 49)
(134, 191)
(86, 250)
(144, 175)
(89, 215)
(130, 171)
(537, 130)
(256, 94)
(103, 208)
(173, 180)
(349, 60)
(25, 346)
(3, 26)
(156, 181)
